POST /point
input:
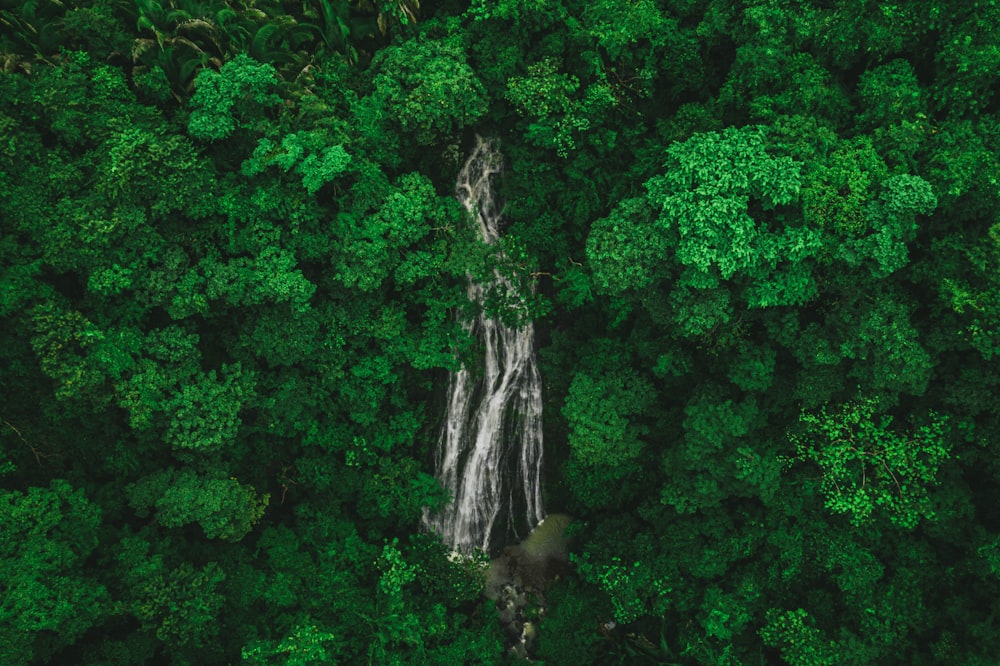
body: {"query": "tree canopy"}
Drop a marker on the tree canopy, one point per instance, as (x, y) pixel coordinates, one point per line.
(758, 241)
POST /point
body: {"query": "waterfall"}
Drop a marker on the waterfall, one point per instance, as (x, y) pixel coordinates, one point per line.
(489, 450)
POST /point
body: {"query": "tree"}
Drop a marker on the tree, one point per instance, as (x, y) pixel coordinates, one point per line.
(598, 410)
(180, 604)
(868, 469)
(51, 600)
(757, 242)
(306, 645)
(801, 643)
(694, 226)
(225, 508)
(426, 89)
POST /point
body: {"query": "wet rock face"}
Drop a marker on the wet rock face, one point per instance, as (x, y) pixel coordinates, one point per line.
(516, 581)
(519, 612)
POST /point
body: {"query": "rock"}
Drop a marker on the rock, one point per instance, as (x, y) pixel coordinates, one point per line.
(521, 574)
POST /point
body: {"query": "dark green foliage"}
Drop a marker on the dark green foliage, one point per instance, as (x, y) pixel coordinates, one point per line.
(597, 412)
(426, 89)
(758, 242)
(224, 508)
(868, 469)
(572, 629)
(179, 604)
(800, 641)
(230, 98)
(49, 599)
(303, 646)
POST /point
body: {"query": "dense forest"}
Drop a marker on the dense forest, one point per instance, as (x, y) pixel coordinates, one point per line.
(758, 241)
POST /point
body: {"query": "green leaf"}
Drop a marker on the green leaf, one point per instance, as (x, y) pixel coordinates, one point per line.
(223, 507)
(233, 97)
(871, 469)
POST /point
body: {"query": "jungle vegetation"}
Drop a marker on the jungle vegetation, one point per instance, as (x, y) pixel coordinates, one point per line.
(764, 243)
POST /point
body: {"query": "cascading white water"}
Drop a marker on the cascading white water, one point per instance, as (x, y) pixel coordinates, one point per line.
(489, 452)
